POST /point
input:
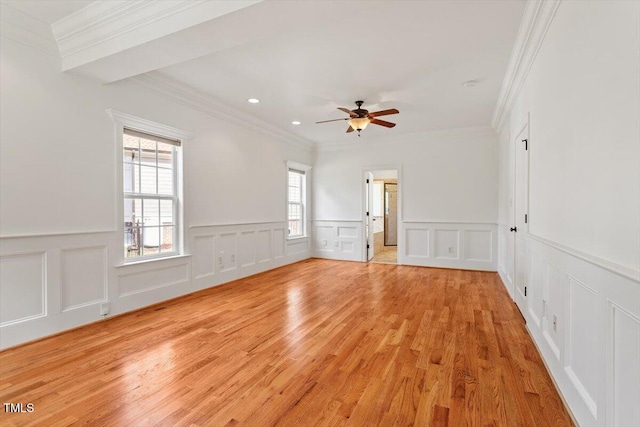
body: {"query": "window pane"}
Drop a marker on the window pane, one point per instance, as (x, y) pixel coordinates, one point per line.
(148, 177)
(129, 178)
(151, 212)
(131, 144)
(167, 239)
(165, 155)
(133, 212)
(132, 239)
(166, 212)
(150, 240)
(165, 181)
(295, 211)
(295, 187)
(147, 152)
(295, 228)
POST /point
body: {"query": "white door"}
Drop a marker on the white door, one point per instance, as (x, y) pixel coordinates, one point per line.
(521, 216)
(369, 228)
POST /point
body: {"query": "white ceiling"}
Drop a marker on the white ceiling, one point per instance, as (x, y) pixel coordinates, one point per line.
(410, 55)
(304, 59)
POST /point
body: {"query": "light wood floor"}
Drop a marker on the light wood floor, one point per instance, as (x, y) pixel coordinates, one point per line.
(388, 255)
(316, 343)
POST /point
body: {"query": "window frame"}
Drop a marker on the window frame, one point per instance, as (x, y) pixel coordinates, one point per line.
(157, 196)
(153, 129)
(303, 170)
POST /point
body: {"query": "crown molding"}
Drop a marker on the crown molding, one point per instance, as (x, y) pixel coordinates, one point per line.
(453, 134)
(27, 30)
(183, 94)
(105, 28)
(537, 18)
(102, 21)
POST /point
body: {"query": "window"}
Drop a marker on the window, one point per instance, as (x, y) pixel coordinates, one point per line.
(150, 188)
(296, 197)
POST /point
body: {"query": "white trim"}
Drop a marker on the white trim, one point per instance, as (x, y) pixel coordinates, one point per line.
(182, 94)
(626, 272)
(537, 18)
(298, 166)
(138, 123)
(337, 220)
(54, 234)
(101, 21)
(305, 196)
(123, 120)
(147, 261)
(400, 244)
(223, 224)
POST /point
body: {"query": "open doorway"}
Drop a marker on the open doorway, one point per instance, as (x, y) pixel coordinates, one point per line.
(382, 216)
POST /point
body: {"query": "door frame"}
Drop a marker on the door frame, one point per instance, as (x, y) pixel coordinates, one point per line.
(523, 132)
(365, 170)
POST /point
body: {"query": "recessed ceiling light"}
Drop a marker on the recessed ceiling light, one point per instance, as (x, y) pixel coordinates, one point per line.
(295, 122)
(470, 83)
(253, 100)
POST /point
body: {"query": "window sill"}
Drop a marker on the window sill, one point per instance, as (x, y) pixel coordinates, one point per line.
(152, 260)
(293, 239)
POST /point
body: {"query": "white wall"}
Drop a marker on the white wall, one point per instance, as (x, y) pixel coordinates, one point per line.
(60, 254)
(447, 182)
(582, 96)
(581, 259)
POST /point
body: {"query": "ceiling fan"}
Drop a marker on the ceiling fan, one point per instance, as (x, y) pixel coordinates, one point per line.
(360, 118)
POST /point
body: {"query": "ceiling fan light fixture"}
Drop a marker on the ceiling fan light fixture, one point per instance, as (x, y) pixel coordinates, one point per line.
(359, 123)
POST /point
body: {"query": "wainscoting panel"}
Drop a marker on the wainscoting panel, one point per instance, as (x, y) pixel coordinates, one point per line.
(242, 250)
(417, 243)
(227, 251)
(338, 240)
(478, 245)
(23, 287)
(582, 342)
(247, 248)
(263, 246)
(84, 276)
(584, 315)
(449, 245)
(51, 283)
(278, 243)
(204, 258)
(134, 279)
(623, 354)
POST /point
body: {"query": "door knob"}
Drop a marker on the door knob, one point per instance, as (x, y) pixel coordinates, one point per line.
(514, 229)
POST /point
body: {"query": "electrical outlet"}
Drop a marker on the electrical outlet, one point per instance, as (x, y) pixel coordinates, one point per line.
(450, 249)
(233, 257)
(325, 243)
(104, 308)
(336, 244)
(555, 323)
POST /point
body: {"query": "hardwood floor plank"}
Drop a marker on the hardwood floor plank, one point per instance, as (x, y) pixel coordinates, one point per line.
(315, 343)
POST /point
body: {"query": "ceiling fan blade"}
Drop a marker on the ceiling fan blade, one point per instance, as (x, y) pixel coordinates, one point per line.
(382, 123)
(350, 129)
(384, 112)
(349, 112)
(334, 120)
